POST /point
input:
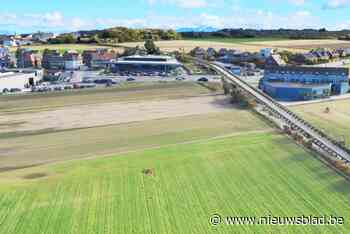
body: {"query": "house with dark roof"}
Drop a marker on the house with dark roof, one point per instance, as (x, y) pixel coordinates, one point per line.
(99, 58)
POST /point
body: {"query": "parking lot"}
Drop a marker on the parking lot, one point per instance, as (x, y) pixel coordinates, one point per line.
(97, 79)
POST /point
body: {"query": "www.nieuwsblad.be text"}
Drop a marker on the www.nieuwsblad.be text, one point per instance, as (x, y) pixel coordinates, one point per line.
(217, 220)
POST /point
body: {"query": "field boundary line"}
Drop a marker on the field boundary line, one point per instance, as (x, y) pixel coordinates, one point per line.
(110, 155)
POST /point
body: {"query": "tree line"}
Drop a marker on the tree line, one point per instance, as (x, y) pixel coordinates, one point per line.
(116, 35)
(277, 33)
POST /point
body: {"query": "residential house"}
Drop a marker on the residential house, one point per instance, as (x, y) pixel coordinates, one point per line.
(42, 36)
(99, 59)
(211, 53)
(322, 54)
(222, 52)
(275, 60)
(342, 53)
(6, 62)
(72, 60)
(5, 58)
(334, 54)
(28, 58)
(267, 52)
(9, 42)
(26, 36)
(347, 51)
(52, 59)
(4, 51)
(306, 58)
(237, 56)
(199, 52)
(24, 42)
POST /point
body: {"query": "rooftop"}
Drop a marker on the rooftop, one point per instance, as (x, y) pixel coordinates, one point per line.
(308, 70)
(148, 59)
(11, 74)
(297, 85)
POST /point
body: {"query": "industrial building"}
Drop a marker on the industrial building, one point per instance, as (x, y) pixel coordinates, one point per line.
(146, 64)
(292, 83)
(19, 79)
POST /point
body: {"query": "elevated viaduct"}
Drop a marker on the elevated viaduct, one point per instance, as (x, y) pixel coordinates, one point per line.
(318, 138)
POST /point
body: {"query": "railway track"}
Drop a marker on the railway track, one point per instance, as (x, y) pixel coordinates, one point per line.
(319, 138)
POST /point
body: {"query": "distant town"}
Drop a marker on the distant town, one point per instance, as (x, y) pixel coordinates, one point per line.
(31, 63)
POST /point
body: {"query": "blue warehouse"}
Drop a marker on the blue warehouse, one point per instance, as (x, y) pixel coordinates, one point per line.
(291, 83)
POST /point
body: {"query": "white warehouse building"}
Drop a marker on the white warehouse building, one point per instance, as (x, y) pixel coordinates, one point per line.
(146, 64)
(17, 79)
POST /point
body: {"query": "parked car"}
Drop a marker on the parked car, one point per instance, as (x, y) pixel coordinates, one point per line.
(68, 87)
(203, 79)
(15, 90)
(130, 79)
(58, 88)
(180, 78)
(88, 81)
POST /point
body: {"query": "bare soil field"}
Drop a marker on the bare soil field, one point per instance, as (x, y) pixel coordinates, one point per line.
(290, 45)
(302, 44)
(188, 45)
(132, 92)
(93, 115)
(55, 127)
(41, 148)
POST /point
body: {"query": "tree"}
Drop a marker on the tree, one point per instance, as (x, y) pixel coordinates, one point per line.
(151, 47)
(63, 39)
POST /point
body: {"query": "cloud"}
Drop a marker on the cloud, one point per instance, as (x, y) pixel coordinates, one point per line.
(182, 3)
(243, 18)
(336, 4)
(297, 2)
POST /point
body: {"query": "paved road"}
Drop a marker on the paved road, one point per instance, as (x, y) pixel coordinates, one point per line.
(341, 152)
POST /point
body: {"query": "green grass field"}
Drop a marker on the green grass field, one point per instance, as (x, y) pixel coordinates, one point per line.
(336, 123)
(253, 175)
(157, 176)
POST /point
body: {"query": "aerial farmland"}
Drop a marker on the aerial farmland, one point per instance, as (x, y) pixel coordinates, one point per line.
(215, 159)
(175, 117)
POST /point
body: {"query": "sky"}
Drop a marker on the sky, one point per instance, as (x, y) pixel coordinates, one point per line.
(71, 15)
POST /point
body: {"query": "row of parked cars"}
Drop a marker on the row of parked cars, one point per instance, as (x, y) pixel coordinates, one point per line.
(48, 88)
(12, 90)
(87, 83)
(142, 73)
(202, 79)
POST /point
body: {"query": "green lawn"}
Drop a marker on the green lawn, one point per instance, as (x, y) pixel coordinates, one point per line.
(237, 40)
(252, 175)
